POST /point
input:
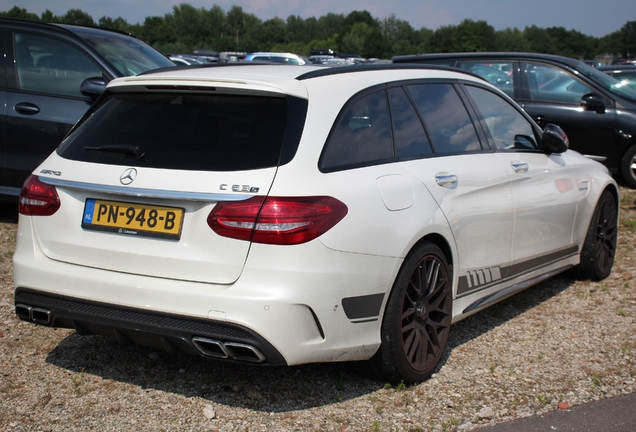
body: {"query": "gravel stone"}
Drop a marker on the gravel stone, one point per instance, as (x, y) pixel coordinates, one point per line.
(560, 342)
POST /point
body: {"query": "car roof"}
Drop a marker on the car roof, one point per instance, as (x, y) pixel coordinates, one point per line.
(281, 78)
(490, 55)
(629, 68)
(67, 28)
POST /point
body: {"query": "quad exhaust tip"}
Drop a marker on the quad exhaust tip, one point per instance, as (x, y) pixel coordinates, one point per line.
(33, 314)
(225, 350)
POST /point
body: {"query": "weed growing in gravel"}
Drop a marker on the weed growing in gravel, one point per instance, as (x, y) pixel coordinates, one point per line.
(621, 312)
(451, 424)
(77, 380)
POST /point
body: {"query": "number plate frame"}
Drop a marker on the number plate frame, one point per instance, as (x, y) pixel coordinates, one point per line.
(112, 216)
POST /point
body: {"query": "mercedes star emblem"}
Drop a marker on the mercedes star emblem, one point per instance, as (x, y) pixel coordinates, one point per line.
(128, 176)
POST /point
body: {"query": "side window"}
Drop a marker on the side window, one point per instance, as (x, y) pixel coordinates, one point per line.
(48, 65)
(499, 74)
(552, 84)
(361, 135)
(507, 126)
(451, 129)
(409, 136)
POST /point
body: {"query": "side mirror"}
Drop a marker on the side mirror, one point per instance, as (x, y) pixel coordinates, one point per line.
(554, 140)
(593, 102)
(93, 87)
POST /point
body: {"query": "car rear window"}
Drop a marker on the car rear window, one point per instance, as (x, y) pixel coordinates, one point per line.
(188, 131)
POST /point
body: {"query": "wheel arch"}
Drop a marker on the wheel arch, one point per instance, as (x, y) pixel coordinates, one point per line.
(441, 242)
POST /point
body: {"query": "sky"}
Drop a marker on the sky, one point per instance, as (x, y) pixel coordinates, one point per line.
(590, 17)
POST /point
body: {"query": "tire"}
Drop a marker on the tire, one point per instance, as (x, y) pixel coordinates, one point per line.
(417, 319)
(599, 249)
(628, 167)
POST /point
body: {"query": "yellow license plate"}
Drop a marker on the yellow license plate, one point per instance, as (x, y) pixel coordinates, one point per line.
(133, 219)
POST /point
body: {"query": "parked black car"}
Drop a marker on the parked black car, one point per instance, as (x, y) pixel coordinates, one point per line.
(624, 73)
(596, 111)
(50, 74)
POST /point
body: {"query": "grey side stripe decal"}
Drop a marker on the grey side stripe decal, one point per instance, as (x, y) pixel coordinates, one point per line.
(479, 279)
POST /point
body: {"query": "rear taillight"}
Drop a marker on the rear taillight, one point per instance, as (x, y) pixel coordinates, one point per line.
(37, 198)
(277, 220)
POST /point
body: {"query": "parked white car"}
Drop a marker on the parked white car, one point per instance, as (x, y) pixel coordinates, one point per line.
(280, 58)
(275, 215)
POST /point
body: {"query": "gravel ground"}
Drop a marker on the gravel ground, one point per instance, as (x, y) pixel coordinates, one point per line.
(559, 344)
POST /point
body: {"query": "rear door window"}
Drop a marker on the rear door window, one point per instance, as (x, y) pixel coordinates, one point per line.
(186, 131)
(498, 73)
(408, 131)
(450, 127)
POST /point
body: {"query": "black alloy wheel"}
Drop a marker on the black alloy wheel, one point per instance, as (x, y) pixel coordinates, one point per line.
(628, 167)
(599, 249)
(417, 319)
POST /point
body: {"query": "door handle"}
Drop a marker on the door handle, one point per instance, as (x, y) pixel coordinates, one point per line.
(520, 167)
(26, 108)
(446, 180)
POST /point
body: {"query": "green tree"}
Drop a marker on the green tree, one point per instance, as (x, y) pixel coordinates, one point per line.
(79, 17)
(442, 40)
(395, 30)
(19, 13)
(237, 23)
(511, 40)
(539, 40)
(628, 37)
(116, 24)
(375, 44)
(272, 32)
(330, 25)
(189, 24)
(474, 36)
(47, 16)
(158, 33)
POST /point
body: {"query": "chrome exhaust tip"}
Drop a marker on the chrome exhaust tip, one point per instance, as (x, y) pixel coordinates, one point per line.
(210, 347)
(243, 352)
(23, 311)
(224, 350)
(33, 314)
(41, 316)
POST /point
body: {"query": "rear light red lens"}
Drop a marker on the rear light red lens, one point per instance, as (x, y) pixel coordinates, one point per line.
(37, 198)
(277, 220)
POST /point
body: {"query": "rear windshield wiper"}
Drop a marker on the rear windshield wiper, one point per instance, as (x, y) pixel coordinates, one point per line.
(127, 150)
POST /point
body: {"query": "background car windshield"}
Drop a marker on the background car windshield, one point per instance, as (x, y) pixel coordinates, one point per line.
(130, 56)
(182, 131)
(607, 82)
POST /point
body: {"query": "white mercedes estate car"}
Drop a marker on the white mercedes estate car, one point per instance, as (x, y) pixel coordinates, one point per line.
(279, 215)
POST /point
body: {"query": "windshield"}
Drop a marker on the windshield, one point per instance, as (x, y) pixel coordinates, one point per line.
(607, 82)
(129, 55)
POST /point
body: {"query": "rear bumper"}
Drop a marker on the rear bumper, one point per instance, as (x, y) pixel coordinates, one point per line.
(172, 333)
(292, 305)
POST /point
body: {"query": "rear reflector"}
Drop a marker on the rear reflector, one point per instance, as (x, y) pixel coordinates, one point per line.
(37, 198)
(277, 220)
